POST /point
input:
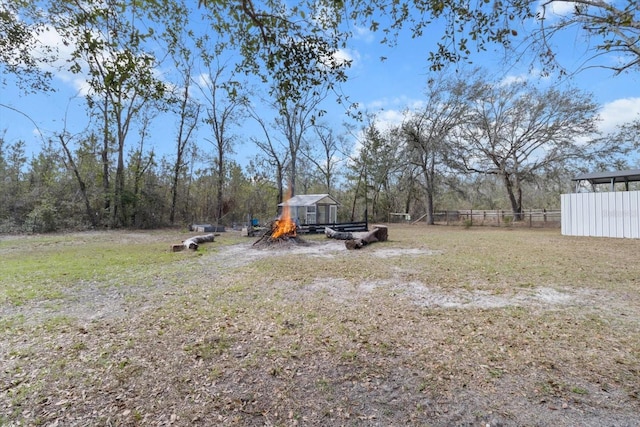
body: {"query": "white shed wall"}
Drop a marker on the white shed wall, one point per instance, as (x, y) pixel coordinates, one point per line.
(612, 214)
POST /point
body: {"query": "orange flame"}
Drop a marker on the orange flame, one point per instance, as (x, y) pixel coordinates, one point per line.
(284, 226)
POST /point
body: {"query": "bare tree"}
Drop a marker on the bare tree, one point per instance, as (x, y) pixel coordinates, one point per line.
(222, 111)
(515, 131)
(374, 167)
(70, 163)
(294, 121)
(275, 153)
(325, 155)
(427, 132)
(188, 116)
(140, 163)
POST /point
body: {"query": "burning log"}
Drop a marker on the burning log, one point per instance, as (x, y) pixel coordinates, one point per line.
(193, 242)
(280, 231)
(380, 233)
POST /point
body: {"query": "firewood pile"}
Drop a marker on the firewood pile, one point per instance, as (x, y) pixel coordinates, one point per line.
(280, 233)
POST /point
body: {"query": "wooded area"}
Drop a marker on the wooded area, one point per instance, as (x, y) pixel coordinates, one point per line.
(474, 144)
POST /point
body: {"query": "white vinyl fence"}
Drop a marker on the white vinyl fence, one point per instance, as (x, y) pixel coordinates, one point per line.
(610, 214)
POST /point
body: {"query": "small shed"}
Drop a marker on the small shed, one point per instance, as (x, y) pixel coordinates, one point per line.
(603, 213)
(312, 208)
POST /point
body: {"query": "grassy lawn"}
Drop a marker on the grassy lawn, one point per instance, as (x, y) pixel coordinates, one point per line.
(438, 326)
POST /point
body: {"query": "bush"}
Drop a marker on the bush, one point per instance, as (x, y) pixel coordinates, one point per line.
(9, 226)
(42, 219)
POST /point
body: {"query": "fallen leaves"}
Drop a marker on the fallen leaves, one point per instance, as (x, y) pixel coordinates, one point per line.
(249, 344)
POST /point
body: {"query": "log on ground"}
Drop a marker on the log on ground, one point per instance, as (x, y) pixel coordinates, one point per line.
(380, 233)
(193, 242)
(340, 235)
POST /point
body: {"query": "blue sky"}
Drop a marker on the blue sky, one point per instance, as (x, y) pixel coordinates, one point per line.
(387, 87)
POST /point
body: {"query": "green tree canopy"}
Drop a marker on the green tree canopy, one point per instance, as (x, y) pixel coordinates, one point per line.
(294, 45)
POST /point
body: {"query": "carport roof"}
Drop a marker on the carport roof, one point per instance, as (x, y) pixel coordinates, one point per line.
(630, 175)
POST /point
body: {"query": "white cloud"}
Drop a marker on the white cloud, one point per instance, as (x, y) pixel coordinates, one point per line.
(389, 113)
(550, 9)
(203, 80)
(50, 40)
(387, 119)
(535, 75)
(346, 55)
(512, 78)
(556, 8)
(618, 112)
(36, 132)
(323, 16)
(364, 34)
(397, 103)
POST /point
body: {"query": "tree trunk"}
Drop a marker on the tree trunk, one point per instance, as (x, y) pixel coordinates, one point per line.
(193, 242)
(292, 176)
(516, 202)
(380, 233)
(430, 210)
(83, 188)
(280, 183)
(340, 235)
(104, 155)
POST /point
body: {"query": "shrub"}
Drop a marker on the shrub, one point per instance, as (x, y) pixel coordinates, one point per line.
(42, 219)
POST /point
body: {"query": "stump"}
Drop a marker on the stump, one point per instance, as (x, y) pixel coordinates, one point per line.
(383, 232)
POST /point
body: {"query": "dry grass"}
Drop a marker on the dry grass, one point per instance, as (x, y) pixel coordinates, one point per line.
(439, 326)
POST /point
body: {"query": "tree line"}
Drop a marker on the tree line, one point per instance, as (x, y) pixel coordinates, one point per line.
(474, 143)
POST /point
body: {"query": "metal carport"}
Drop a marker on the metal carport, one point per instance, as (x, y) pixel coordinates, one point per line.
(611, 178)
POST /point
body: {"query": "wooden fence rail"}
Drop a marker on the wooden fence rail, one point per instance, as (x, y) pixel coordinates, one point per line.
(530, 217)
(340, 226)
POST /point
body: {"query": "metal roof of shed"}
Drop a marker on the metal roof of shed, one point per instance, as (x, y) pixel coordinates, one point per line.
(310, 199)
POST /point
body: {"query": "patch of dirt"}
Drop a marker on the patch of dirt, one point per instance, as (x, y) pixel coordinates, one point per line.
(462, 298)
(400, 252)
(417, 293)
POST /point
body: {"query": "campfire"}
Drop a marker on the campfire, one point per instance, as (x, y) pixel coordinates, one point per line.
(284, 227)
(283, 230)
